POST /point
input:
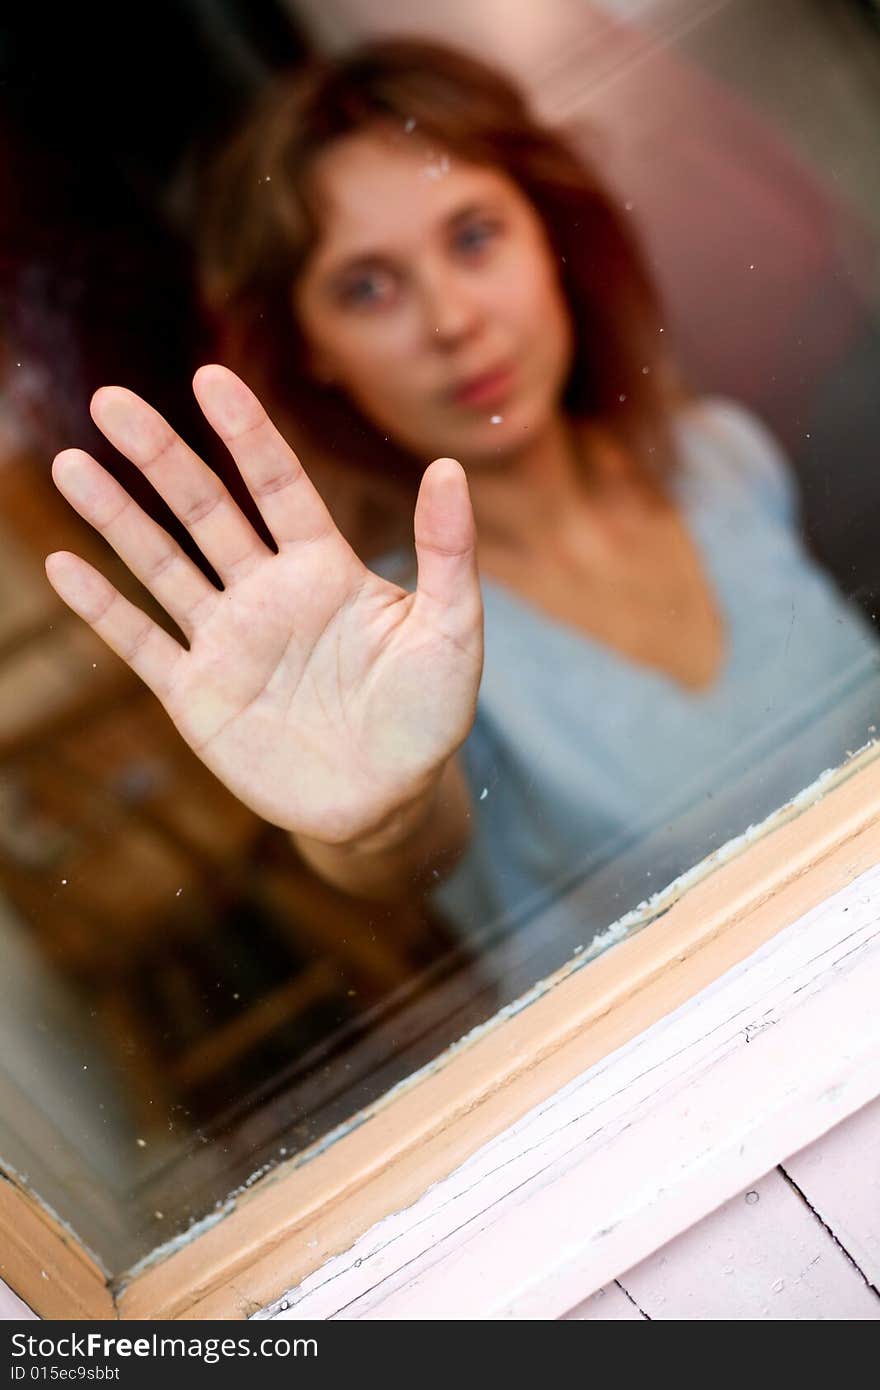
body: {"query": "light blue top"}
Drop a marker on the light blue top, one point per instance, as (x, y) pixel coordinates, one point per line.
(587, 766)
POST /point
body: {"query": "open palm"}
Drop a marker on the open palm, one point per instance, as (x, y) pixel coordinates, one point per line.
(324, 697)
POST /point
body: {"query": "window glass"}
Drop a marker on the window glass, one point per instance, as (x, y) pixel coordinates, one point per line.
(352, 792)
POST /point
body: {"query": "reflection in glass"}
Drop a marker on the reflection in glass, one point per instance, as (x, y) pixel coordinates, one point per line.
(227, 931)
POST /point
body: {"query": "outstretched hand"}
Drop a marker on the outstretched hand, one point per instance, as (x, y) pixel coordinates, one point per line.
(324, 697)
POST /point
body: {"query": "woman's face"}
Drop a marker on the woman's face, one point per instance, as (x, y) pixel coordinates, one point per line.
(433, 299)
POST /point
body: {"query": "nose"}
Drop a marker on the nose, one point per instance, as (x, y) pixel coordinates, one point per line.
(452, 313)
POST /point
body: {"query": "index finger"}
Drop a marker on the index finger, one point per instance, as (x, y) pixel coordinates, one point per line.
(192, 490)
(289, 502)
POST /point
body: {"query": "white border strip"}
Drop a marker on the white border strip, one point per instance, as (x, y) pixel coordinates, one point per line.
(642, 1145)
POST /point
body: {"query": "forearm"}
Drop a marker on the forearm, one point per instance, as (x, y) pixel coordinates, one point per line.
(417, 847)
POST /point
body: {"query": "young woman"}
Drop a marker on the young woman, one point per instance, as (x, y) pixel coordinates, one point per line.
(408, 266)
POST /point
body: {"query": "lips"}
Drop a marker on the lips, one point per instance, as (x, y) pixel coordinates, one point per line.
(489, 388)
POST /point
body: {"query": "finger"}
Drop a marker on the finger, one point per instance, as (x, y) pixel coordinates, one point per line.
(445, 537)
(193, 492)
(150, 553)
(134, 637)
(288, 501)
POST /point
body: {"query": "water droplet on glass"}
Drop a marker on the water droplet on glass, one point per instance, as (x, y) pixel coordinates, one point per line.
(159, 1215)
(409, 124)
(141, 1143)
(621, 398)
(752, 1198)
(64, 883)
(496, 419)
(284, 1305)
(484, 793)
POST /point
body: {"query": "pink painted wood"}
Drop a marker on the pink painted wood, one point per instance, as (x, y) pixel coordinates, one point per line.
(767, 1231)
(840, 1177)
(11, 1307)
(610, 1304)
(764, 1256)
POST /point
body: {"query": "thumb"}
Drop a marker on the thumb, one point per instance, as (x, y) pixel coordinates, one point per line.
(445, 536)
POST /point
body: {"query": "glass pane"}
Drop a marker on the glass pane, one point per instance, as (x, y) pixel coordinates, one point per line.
(313, 833)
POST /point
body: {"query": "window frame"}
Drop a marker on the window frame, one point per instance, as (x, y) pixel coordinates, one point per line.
(283, 1228)
(646, 1144)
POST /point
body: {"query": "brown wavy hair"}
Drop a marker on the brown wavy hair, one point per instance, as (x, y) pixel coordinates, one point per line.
(261, 220)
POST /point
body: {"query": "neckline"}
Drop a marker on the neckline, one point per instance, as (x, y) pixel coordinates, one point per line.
(693, 517)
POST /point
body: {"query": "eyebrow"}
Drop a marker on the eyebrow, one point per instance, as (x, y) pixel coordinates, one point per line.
(373, 260)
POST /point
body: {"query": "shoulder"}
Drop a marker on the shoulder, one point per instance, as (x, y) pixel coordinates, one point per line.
(719, 439)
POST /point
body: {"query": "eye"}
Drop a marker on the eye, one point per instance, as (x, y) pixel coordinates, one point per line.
(475, 237)
(367, 289)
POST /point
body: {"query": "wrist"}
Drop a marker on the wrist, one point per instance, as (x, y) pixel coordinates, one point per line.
(400, 826)
(394, 831)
